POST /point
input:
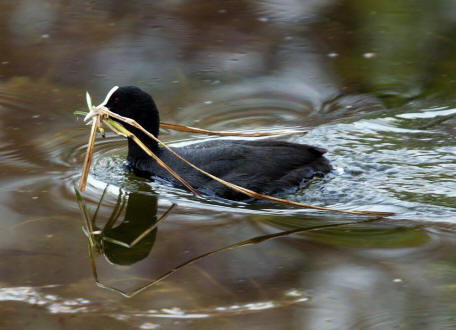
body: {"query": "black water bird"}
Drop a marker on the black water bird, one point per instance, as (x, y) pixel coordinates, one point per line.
(265, 166)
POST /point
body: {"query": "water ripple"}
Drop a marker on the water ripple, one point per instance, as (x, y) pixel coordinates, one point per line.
(45, 298)
(378, 166)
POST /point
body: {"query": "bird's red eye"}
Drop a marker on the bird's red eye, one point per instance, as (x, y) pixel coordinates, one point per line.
(116, 100)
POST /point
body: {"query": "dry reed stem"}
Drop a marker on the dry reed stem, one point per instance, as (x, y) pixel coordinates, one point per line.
(245, 191)
(189, 129)
(88, 155)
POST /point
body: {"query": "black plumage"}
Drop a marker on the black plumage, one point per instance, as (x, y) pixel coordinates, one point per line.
(265, 166)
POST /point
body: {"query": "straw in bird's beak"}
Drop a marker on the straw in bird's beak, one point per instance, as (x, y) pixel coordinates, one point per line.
(94, 111)
(93, 118)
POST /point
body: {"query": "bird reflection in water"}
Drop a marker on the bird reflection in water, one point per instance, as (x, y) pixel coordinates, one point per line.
(133, 239)
(127, 242)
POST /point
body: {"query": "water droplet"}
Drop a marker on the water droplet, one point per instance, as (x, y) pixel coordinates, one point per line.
(293, 293)
(149, 325)
(173, 311)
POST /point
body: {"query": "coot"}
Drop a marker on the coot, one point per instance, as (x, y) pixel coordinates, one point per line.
(265, 166)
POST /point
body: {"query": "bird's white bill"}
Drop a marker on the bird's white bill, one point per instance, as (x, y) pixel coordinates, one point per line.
(108, 96)
(93, 111)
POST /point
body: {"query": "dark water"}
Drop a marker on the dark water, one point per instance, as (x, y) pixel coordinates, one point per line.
(371, 81)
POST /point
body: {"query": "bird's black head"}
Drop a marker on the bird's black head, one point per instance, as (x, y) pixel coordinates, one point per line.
(134, 103)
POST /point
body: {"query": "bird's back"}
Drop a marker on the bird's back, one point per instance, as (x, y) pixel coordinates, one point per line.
(264, 166)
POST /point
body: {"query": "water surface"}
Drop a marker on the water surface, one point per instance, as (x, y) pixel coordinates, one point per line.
(372, 82)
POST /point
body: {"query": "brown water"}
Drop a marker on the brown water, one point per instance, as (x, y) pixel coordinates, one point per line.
(371, 81)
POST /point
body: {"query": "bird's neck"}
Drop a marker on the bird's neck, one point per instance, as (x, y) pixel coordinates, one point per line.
(135, 152)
